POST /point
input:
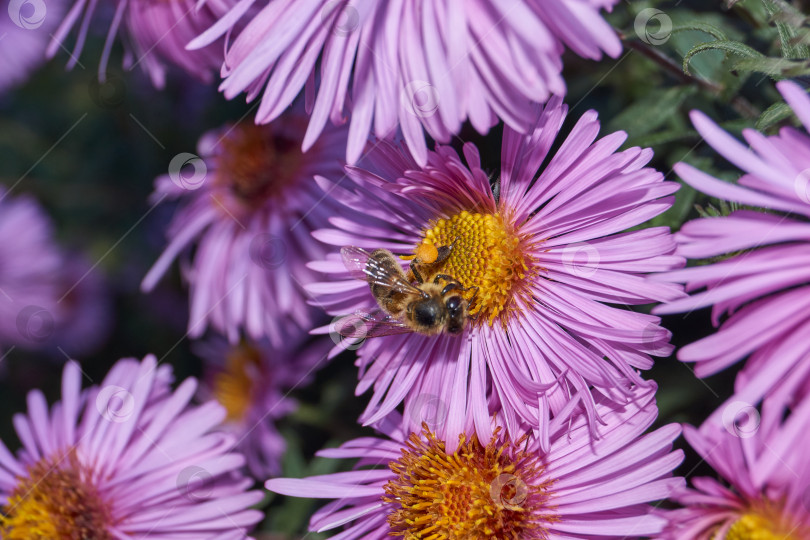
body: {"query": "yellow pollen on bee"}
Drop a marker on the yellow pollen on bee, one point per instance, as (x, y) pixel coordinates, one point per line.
(487, 253)
(476, 492)
(234, 386)
(764, 524)
(56, 500)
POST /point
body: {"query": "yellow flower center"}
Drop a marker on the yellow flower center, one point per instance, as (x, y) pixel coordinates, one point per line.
(57, 500)
(255, 164)
(764, 524)
(234, 386)
(476, 492)
(487, 253)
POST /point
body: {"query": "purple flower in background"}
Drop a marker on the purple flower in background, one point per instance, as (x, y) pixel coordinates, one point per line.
(156, 32)
(417, 65)
(25, 28)
(547, 255)
(129, 458)
(252, 381)
(30, 266)
(762, 492)
(580, 488)
(763, 290)
(248, 209)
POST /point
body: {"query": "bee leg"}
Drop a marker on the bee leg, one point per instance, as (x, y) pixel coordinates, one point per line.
(474, 294)
(445, 251)
(415, 272)
(444, 277)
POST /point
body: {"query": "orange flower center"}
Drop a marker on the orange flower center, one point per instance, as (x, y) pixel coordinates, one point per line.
(57, 499)
(255, 164)
(476, 492)
(235, 385)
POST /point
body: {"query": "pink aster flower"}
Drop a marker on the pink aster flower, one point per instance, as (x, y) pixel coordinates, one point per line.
(764, 474)
(30, 269)
(413, 65)
(129, 458)
(24, 32)
(253, 382)
(541, 262)
(411, 486)
(156, 33)
(247, 210)
(760, 298)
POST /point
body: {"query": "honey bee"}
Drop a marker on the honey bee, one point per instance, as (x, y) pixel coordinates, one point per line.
(432, 305)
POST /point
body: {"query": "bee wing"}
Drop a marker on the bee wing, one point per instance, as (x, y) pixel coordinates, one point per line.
(360, 265)
(361, 324)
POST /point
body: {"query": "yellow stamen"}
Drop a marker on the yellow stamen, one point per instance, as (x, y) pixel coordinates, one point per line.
(235, 385)
(765, 523)
(476, 492)
(56, 500)
(487, 253)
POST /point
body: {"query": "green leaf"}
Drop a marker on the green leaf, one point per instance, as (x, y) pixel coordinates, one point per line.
(652, 111)
(788, 20)
(727, 46)
(775, 67)
(698, 26)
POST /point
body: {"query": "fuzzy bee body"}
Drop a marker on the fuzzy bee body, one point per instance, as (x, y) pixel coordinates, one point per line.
(429, 306)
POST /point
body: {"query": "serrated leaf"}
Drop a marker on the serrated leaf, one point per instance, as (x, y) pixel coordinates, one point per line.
(773, 115)
(698, 26)
(775, 67)
(727, 46)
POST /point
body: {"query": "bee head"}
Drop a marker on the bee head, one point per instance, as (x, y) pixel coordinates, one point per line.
(426, 313)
